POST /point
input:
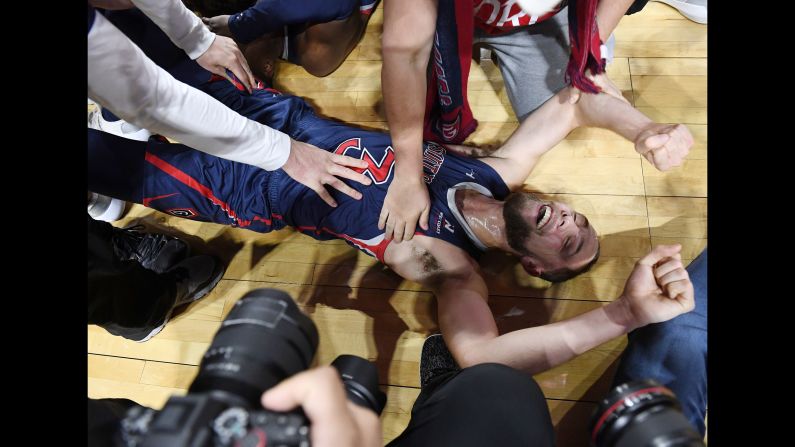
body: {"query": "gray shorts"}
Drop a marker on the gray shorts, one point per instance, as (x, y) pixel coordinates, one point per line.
(532, 61)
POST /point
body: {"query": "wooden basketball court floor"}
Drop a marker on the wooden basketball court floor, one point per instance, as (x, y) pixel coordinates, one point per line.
(362, 308)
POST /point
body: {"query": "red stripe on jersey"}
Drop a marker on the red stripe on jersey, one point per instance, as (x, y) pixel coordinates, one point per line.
(194, 184)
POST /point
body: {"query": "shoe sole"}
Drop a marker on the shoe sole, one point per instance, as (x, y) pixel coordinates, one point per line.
(219, 273)
(157, 330)
(695, 13)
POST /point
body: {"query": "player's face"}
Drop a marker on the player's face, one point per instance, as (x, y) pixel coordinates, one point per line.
(559, 236)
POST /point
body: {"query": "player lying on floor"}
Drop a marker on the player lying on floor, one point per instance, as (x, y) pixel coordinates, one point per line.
(473, 210)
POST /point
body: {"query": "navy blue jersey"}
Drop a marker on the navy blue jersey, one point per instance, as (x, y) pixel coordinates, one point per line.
(192, 184)
(188, 183)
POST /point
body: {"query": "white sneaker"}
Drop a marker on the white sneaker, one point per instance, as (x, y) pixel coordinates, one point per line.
(609, 49)
(695, 10)
(105, 208)
(119, 128)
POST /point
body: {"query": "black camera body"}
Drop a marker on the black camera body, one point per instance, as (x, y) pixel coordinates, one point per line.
(206, 420)
(264, 340)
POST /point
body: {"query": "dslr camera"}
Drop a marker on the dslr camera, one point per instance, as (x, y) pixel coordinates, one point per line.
(264, 340)
(642, 414)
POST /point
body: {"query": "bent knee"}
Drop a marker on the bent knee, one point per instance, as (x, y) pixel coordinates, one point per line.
(502, 382)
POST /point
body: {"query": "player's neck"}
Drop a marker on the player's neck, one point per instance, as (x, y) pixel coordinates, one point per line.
(484, 217)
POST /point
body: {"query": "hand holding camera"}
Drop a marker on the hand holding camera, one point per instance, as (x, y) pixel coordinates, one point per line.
(336, 421)
(264, 340)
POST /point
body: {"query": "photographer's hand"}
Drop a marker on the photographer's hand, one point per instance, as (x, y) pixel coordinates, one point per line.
(335, 420)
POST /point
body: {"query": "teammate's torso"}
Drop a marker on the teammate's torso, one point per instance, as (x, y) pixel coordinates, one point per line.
(500, 16)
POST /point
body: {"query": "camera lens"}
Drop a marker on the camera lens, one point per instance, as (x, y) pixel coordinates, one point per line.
(263, 340)
(641, 413)
(361, 382)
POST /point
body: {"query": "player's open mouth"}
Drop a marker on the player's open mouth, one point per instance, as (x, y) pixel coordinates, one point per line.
(544, 216)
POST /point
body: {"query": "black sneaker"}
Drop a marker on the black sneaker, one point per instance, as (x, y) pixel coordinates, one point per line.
(195, 277)
(156, 252)
(435, 360)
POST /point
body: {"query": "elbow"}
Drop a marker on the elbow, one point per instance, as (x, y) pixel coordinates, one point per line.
(143, 112)
(321, 72)
(323, 67)
(136, 106)
(470, 354)
(469, 359)
(150, 108)
(412, 53)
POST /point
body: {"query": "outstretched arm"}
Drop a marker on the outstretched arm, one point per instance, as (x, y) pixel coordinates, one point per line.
(663, 145)
(658, 289)
(539, 133)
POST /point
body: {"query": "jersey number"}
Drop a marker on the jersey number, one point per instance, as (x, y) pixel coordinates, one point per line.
(378, 171)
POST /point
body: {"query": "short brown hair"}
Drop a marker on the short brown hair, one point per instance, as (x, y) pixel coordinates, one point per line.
(565, 274)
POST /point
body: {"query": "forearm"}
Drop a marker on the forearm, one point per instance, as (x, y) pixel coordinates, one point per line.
(181, 25)
(404, 85)
(540, 348)
(409, 29)
(607, 112)
(539, 133)
(608, 14)
(471, 333)
(123, 79)
(543, 129)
